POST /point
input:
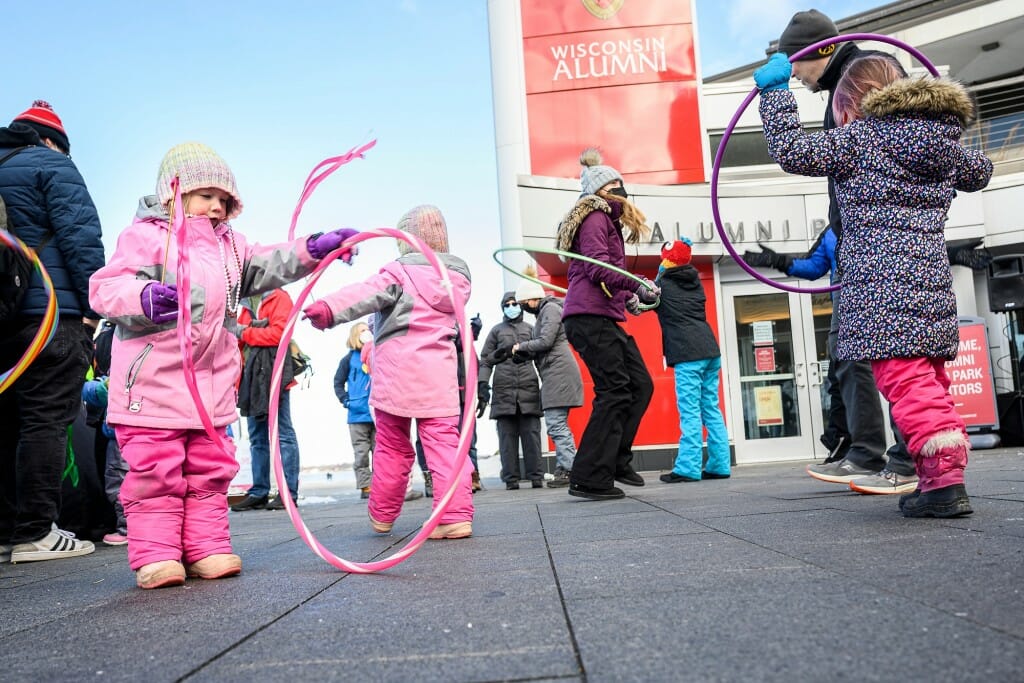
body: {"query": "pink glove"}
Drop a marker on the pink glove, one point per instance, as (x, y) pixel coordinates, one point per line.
(160, 302)
(321, 245)
(319, 315)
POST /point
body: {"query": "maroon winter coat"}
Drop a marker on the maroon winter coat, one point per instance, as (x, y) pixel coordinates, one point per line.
(592, 229)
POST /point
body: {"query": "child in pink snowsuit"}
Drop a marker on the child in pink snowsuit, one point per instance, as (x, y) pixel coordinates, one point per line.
(414, 371)
(897, 162)
(175, 492)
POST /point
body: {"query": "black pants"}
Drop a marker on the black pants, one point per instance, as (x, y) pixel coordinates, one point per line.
(865, 422)
(622, 392)
(35, 413)
(513, 431)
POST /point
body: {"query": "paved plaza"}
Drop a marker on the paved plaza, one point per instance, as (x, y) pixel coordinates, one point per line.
(768, 576)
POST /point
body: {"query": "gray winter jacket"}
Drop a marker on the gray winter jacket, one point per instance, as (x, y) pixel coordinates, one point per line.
(561, 383)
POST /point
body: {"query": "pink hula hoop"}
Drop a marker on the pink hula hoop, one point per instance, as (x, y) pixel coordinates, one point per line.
(736, 117)
(468, 414)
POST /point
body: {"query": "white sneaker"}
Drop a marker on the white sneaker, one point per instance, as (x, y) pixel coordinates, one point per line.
(56, 545)
(5, 552)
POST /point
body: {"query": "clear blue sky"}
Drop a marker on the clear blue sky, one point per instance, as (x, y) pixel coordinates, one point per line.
(275, 87)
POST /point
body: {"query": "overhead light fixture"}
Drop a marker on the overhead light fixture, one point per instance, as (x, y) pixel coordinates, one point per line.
(988, 47)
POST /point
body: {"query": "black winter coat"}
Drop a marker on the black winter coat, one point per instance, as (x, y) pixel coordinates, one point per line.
(511, 383)
(45, 194)
(685, 333)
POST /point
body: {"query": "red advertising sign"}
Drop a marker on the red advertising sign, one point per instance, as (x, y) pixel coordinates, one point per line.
(970, 377)
(618, 75)
(764, 359)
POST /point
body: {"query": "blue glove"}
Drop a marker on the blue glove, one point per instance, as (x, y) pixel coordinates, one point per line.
(775, 74)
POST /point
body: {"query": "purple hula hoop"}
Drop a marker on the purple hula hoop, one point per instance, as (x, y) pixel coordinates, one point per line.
(916, 54)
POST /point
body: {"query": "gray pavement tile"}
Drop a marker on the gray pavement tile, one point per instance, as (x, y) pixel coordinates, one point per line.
(784, 628)
(770, 575)
(427, 635)
(661, 565)
(624, 525)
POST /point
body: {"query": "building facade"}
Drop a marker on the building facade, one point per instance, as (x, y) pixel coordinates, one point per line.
(773, 341)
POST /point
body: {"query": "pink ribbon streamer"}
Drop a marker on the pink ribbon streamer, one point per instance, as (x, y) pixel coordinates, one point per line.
(185, 316)
(312, 180)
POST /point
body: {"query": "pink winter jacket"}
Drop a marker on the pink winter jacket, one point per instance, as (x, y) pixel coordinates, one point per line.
(414, 363)
(147, 385)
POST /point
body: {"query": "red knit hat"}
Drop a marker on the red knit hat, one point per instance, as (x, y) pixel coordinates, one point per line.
(41, 117)
(677, 253)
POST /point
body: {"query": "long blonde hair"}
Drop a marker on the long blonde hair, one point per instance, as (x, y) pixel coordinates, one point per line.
(633, 219)
(354, 342)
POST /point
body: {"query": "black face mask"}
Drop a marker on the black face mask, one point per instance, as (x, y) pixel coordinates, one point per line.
(532, 310)
(619, 192)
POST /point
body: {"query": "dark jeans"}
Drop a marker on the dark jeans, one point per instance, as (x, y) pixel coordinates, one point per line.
(259, 448)
(899, 460)
(514, 430)
(35, 413)
(865, 422)
(622, 391)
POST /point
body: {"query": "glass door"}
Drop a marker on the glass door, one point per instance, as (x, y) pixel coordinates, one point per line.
(777, 363)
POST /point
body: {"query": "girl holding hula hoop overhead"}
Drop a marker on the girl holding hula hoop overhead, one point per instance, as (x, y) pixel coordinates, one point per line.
(595, 304)
(897, 162)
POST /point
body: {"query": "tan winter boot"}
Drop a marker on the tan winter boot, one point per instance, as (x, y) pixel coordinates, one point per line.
(160, 574)
(455, 530)
(216, 566)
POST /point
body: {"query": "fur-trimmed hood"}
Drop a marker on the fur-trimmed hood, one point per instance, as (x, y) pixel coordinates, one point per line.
(927, 95)
(584, 206)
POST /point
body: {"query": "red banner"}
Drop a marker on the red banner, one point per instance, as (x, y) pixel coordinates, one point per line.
(618, 75)
(970, 377)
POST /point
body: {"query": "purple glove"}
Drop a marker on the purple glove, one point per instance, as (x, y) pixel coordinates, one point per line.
(633, 305)
(319, 315)
(321, 245)
(160, 302)
(648, 292)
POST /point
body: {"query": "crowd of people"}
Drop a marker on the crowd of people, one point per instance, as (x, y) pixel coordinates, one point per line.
(890, 148)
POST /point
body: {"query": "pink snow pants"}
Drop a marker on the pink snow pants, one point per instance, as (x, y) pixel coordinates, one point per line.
(175, 493)
(917, 390)
(393, 460)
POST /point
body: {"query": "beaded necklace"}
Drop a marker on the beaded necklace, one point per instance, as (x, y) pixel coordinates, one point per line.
(233, 290)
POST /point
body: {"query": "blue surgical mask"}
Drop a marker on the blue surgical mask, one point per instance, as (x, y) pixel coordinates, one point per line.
(512, 311)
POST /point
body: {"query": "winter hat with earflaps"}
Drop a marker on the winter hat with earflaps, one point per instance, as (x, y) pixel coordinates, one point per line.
(197, 166)
(427, 223)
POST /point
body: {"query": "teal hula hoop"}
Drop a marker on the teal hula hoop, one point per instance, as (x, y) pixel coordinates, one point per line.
(570, 255)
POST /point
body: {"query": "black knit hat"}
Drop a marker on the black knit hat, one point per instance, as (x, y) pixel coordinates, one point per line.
(807, 28)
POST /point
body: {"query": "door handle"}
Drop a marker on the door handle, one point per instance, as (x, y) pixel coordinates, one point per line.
(798, 370)
(815, 369)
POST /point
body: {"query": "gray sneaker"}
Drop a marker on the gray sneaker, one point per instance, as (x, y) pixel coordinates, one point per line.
(560, 480)
(885, 482)
(842, 472)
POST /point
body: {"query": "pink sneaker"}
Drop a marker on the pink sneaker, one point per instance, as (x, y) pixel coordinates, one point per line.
(115, 539)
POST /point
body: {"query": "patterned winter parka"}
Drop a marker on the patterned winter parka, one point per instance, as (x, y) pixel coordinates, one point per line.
(896, 172)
